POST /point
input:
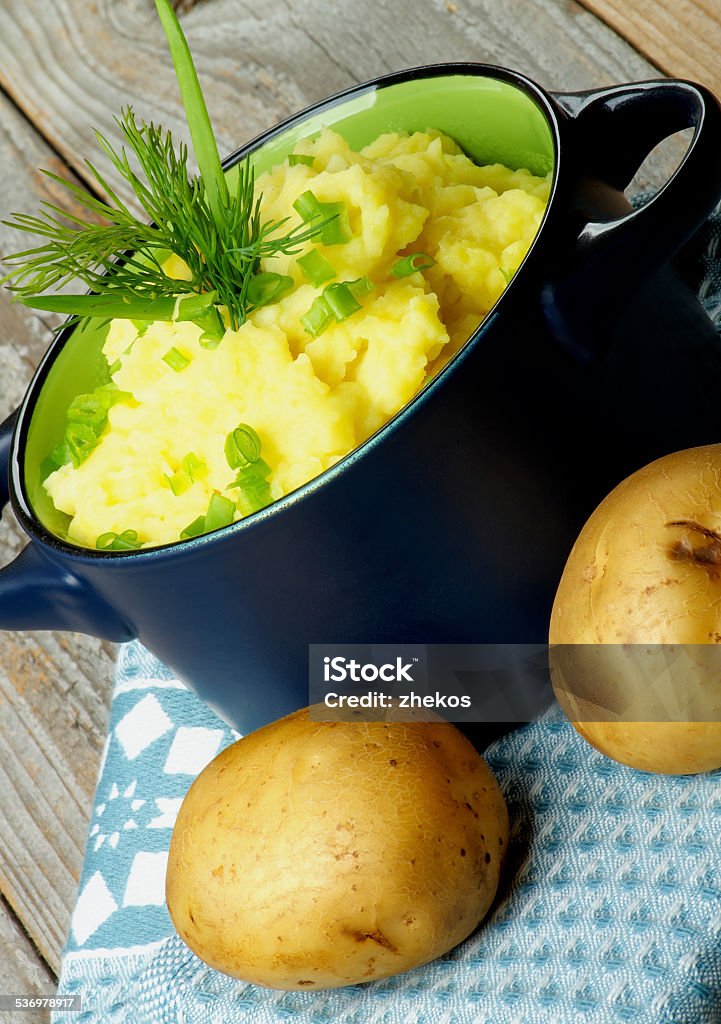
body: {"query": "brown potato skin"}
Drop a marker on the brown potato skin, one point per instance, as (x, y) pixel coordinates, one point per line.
(635, 580)
(312, 855)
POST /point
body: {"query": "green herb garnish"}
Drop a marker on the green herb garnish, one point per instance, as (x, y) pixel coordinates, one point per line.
(179, 482)
(300, 158)
(341, 301)
(221, 512)
(330, 218)
(193, 466)
(86, 419)
(336, 230)
(335, 304)
(191, 469)
(242, 446)
(125, 541)
(361, 287)
(307, 206)
(253, 486)
(242, 451)
(175, 359)
(410, 264)
(266, 288)
(318, 318)
(215, 229)
(90, 410)
(316, 267)
(80, 439)
(194, 529)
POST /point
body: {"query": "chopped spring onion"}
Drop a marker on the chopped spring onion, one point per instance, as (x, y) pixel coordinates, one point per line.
(61, 454)
(110, 394)
(318, 317)
(175, 359)
(196, 112)
(336, 228)
(194, 529)
(125, 541)
(242, 450)
(201, 310)
(213, 337)
(507, 274)
(140, 326)
(191, 469)
(114, 367)
(193, 466)
(307, 206)
(221, 512)
(242, 446)
(179, 482)
(90, 410)
(86, 418)
(188, 307)
(341, 301)
(80, 440)
(268, 287)
(107, 306)
(253, 486)
(410, 264)
(361, 287)
(300, 158)
(337, 303)
(316, 267)
(336, 231)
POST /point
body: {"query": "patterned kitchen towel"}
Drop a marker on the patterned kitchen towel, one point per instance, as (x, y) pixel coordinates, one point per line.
(611, 908)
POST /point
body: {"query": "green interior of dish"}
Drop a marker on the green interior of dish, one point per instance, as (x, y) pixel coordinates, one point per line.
(490, 119)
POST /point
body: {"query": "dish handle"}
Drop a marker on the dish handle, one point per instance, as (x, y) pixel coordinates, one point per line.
(612, 131)
(37, 592)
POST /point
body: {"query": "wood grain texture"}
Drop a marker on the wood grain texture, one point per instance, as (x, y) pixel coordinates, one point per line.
(68, 65)
(44, 807)
(21, 972)
(54, 688)
(681, 37)
(260, 64)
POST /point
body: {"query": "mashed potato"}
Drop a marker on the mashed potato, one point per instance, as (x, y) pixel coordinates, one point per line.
(311, 400)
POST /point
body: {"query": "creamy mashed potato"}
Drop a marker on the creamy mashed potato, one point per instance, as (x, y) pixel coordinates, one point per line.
(311, 400)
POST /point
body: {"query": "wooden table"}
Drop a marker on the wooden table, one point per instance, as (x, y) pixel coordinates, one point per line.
(67, 65)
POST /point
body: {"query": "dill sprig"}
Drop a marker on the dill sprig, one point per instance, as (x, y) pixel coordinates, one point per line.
(216, 231)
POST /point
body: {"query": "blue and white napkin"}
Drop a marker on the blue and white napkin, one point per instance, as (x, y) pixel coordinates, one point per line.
(610, 909)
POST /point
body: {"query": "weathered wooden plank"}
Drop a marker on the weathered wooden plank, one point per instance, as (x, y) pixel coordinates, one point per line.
(22, 972)
(682, 37)
(259, 66)
(43, 817)
(54, 688)
(54, 691)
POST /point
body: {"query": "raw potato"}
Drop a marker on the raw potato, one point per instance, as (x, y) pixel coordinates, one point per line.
(311, 855)
(641, 597)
